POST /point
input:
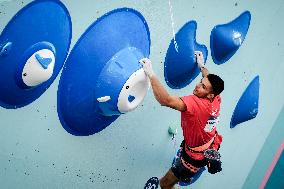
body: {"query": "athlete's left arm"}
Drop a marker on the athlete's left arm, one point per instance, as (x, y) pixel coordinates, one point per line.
(161, 94)
(164, 98)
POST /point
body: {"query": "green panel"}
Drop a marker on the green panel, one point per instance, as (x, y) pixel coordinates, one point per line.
(276, 178)
(268, 153)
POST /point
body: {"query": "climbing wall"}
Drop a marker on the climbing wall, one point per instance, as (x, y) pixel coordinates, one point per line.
(38, 150)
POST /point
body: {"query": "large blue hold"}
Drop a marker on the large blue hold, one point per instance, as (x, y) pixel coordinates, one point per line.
(180, 67)
(247, 106)
(226, 39)
(42, 24)
(99, 64)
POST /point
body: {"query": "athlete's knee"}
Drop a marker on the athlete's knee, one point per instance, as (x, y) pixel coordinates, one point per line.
(168, 181)
(165, 185)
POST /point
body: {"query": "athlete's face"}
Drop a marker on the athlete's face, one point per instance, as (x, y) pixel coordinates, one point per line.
(203, 89)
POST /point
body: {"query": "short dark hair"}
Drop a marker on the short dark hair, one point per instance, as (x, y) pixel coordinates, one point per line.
(217, 83)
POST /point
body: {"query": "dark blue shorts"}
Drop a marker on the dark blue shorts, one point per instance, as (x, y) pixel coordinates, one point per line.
(181, 172)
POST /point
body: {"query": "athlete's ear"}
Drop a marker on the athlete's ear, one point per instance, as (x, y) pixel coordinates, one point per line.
(211, 96)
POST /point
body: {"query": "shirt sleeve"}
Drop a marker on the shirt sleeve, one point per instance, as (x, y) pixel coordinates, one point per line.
(189, 102)
(214, 107)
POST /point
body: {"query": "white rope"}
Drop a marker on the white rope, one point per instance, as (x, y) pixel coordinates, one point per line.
(173, 28)
(175, 151)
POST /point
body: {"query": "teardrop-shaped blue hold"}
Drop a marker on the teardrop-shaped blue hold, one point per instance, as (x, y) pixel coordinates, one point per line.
(247, 106)
(44, 62)
(180, 67)
(131, 98)
(226, 39)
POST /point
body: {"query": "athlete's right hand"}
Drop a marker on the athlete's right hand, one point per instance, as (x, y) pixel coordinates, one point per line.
(147, 66)
(199, 59)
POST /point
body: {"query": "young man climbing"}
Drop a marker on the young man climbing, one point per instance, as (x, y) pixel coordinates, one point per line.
(199, 116)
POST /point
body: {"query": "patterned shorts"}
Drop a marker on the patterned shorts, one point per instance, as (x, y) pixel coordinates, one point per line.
(183, 173)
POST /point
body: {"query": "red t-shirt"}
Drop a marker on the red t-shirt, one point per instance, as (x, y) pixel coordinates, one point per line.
(199, 121)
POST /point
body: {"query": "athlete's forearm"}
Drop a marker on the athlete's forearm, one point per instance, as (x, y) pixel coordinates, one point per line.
(159, 91)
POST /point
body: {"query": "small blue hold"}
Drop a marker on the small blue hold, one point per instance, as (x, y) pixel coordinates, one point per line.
(44, 62)
(226, 39)
(5, 49)
(247, 107)
(131, 98)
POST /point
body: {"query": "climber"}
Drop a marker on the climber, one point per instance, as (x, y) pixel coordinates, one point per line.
(199, 118)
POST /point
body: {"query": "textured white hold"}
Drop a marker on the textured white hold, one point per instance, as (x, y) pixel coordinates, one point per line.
(103, 99)
(137, 86)
(33, 73)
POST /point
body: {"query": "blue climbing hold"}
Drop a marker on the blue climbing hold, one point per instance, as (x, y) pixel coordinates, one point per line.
(131, 98)
(247, 106)
(226, 39)
(44, 62)
(5, 49)
(180, 67)
(102, 77)
(21, 39)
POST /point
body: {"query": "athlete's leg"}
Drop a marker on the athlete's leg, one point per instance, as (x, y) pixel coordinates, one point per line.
(168, 181)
